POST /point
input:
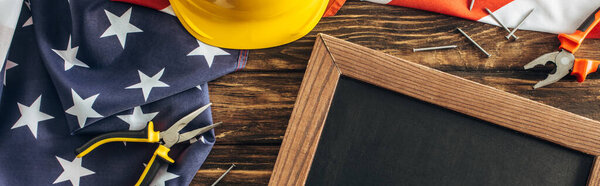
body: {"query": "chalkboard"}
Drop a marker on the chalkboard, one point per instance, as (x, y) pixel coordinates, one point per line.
(374, 136)
(363, 117)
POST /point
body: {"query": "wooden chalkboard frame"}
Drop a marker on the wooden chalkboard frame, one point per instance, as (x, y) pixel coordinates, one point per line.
(332, 57)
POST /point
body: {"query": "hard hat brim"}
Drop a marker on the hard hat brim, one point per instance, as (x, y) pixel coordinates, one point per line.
(250, 33)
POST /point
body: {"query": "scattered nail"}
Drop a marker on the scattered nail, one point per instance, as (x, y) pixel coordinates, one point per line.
(433, 48)
(500, 23)
(472, 41)
(519, 25)
(471, 6)
(215, 183)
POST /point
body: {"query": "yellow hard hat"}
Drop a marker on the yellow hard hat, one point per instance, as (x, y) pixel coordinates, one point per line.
(248, 24)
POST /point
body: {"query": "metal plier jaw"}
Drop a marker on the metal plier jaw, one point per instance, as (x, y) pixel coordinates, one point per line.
(564, 59)
(564, 63)
(166, 139)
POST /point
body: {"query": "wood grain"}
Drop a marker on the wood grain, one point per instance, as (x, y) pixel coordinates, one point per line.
(255, 106)
(333, 57)
(247, 157)
(594, 179)
(234, 177)
(308, 117)
(397, 30)
(242, 99)
(257, 102)
(253, 165)
(467, 97)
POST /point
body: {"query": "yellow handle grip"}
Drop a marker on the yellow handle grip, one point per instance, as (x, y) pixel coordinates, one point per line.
(147, 135)
(154, 165)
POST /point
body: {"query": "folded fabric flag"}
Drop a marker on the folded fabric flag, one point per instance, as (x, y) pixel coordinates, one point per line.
(553, 16)
(80, 68)
(9, 11)
(162, 5)
(333, 7)
(165, 5)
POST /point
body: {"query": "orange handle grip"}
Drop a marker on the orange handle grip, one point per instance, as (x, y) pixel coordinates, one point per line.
(571, 42)
(583, 67)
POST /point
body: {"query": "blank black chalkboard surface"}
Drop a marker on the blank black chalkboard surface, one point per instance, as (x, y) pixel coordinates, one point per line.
(366, 118)
(374, 136)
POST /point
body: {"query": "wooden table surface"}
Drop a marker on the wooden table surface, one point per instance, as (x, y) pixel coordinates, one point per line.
(255, 104)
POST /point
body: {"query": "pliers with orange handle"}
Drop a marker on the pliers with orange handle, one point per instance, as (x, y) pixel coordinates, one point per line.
(166, 140)
(564, 59)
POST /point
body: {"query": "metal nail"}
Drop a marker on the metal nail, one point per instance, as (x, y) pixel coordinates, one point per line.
(433, 48)
(519, 25)
(500, 23)
(471, 6)
(473, 41)
(215, 183)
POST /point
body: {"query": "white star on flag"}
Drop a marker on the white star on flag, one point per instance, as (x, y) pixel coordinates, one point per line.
(209, 52)
(69, 56)
(9, 65)
(168, 10)
(199, 87)
(31, 116)
(162, 176)
(147, 83)
(120, 26)
(30, 20)
(137, 120)
(82, 108)
(72, 171)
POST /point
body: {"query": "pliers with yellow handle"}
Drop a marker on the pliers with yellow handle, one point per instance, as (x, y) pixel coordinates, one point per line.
(166, 139)
(564, 59)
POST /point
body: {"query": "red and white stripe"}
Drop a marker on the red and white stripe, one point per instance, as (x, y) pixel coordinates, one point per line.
(165, 5)
(161, 5)
(553, 16)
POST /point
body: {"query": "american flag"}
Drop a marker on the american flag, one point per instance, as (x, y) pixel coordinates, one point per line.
(554, 16)
(80, 68)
